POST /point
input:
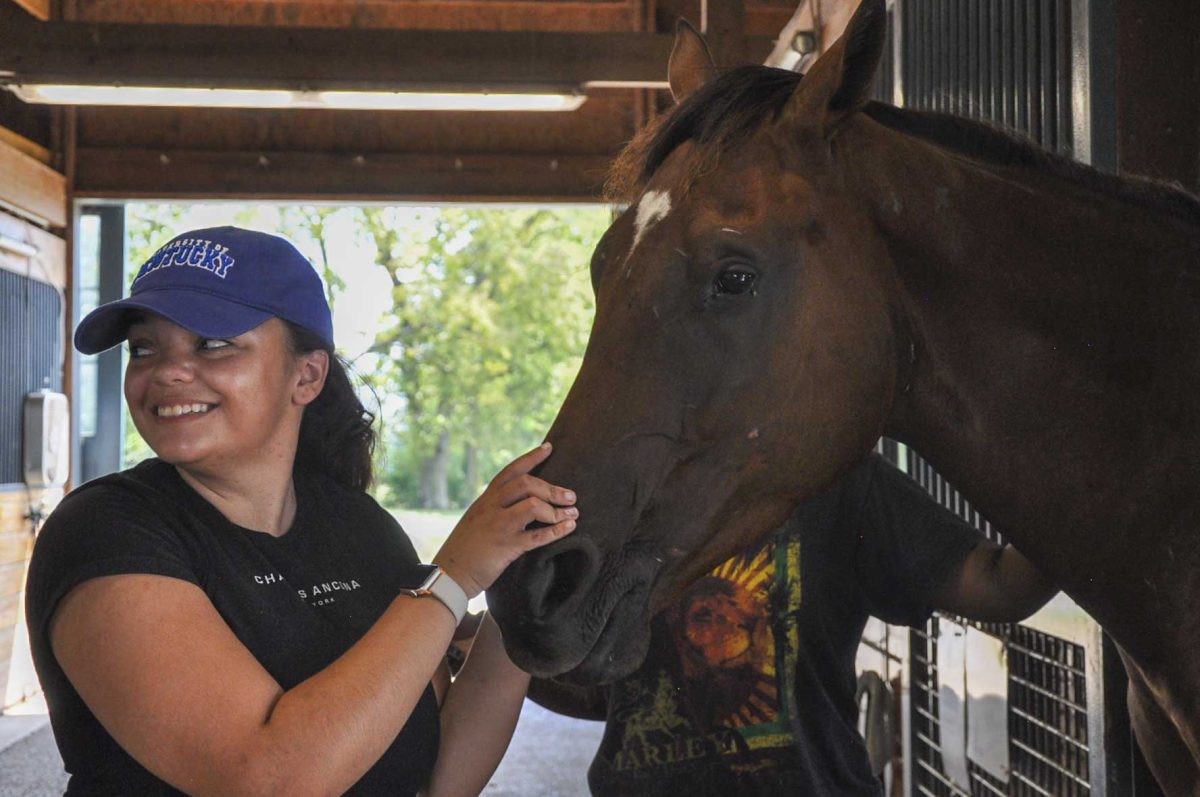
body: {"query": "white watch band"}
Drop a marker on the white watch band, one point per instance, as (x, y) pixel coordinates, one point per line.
(447, 590)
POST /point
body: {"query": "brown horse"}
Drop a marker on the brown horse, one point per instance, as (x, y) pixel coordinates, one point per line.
(803, 271)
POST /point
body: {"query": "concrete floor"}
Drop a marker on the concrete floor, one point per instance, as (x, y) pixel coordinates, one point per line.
(548, 757)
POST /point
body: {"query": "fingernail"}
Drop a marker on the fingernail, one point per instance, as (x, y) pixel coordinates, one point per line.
(569, 496)
(545, 445)
(572, 512)
(570, 525)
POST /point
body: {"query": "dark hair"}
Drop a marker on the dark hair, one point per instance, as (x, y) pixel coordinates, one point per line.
(337, 433)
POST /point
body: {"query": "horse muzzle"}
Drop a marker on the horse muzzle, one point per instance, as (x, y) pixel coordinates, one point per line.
(568, 612)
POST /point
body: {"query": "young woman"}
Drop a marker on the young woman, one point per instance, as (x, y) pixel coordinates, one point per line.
(237, 616)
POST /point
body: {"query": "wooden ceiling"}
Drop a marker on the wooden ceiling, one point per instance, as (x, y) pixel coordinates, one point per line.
(357, 155)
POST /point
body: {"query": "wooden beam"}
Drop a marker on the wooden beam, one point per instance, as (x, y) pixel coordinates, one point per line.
(725, 34)
(39, 8)
(154, 174)
(22, 144)
(590, 15)
(322, 58)
(32, 189)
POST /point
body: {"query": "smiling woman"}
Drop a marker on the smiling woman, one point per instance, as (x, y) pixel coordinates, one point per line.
(237, 615)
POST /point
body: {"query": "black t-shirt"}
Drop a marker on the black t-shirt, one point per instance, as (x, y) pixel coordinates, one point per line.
(297, 602)
(749, 685)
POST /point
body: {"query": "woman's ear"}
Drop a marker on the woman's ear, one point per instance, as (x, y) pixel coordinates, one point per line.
(312, 371)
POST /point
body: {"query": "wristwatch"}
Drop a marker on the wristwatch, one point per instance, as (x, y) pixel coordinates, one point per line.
(436, 582)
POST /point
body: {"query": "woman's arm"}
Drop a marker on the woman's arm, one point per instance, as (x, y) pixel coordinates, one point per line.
(180, 693)
(478, 716)
(995, 584)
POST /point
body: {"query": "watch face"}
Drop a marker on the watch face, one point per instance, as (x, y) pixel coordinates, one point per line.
(418, 576)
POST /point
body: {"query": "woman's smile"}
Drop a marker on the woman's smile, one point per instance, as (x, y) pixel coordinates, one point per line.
(183, 410)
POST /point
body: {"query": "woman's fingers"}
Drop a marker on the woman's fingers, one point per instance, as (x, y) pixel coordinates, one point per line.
(493, 532)
(525, 486)
(545, 535)
(522, 464)
(532, 509)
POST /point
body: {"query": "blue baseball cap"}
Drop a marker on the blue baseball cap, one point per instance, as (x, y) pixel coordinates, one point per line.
(217, 282)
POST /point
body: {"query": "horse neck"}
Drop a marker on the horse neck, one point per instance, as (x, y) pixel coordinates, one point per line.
(1052, 327)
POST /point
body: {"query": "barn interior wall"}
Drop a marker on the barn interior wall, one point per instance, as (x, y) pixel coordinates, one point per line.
(34, 201)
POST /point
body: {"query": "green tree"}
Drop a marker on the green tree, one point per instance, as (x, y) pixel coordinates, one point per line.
(490, 316)
(297, 221)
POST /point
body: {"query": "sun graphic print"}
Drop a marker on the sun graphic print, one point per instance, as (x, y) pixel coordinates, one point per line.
(732, 643)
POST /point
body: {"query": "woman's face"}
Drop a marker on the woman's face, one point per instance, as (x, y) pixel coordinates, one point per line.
(205, 403)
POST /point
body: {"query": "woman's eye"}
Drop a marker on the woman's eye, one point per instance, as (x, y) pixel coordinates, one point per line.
(211, 344)
(136, 350)
(734, 281)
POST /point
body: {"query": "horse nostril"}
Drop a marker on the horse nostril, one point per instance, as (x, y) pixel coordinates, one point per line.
(561, 575)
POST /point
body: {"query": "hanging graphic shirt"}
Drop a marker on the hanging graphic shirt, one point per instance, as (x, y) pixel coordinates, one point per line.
(749, 684)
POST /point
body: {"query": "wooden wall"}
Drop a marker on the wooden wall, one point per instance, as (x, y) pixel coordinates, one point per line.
(34, 211)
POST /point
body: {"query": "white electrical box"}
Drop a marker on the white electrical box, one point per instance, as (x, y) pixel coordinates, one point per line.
(47, 441)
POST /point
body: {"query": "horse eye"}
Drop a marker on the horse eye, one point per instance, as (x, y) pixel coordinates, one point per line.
(734, 281)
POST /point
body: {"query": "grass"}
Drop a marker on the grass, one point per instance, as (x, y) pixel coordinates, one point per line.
(427, 529)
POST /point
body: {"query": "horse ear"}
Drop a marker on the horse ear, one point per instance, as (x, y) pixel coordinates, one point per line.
(691, 63)
(839, 83)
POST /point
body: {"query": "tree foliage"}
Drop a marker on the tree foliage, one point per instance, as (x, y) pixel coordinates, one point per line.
(490, 315)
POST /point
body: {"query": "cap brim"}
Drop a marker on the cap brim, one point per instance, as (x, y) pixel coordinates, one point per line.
(201, 313)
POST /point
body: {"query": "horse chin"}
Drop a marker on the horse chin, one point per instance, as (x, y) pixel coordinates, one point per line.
(619, 649)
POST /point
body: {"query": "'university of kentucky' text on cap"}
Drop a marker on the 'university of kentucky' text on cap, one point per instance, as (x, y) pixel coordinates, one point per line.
(192, 252)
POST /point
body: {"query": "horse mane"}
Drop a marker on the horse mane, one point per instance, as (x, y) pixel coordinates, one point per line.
(732, 105)
(992, 144)
(716, 115)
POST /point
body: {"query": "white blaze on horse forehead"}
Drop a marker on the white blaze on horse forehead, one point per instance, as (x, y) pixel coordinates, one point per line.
(653, 207)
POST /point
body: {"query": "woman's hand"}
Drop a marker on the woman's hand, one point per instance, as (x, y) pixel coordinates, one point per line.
(493, 532)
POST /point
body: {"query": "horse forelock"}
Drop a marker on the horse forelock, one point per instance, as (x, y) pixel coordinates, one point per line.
(719, 114)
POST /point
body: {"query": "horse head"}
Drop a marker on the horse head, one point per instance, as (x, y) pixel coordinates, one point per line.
(742, 317)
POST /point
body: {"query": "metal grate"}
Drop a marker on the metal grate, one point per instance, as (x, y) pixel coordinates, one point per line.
(1048, 734)
(30, 359)
(1007, 61)
(1048, 723)
(1047, 695)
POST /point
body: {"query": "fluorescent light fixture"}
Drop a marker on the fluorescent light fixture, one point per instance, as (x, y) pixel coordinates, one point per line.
(60, 94)
(152, 95)
(447, 101)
